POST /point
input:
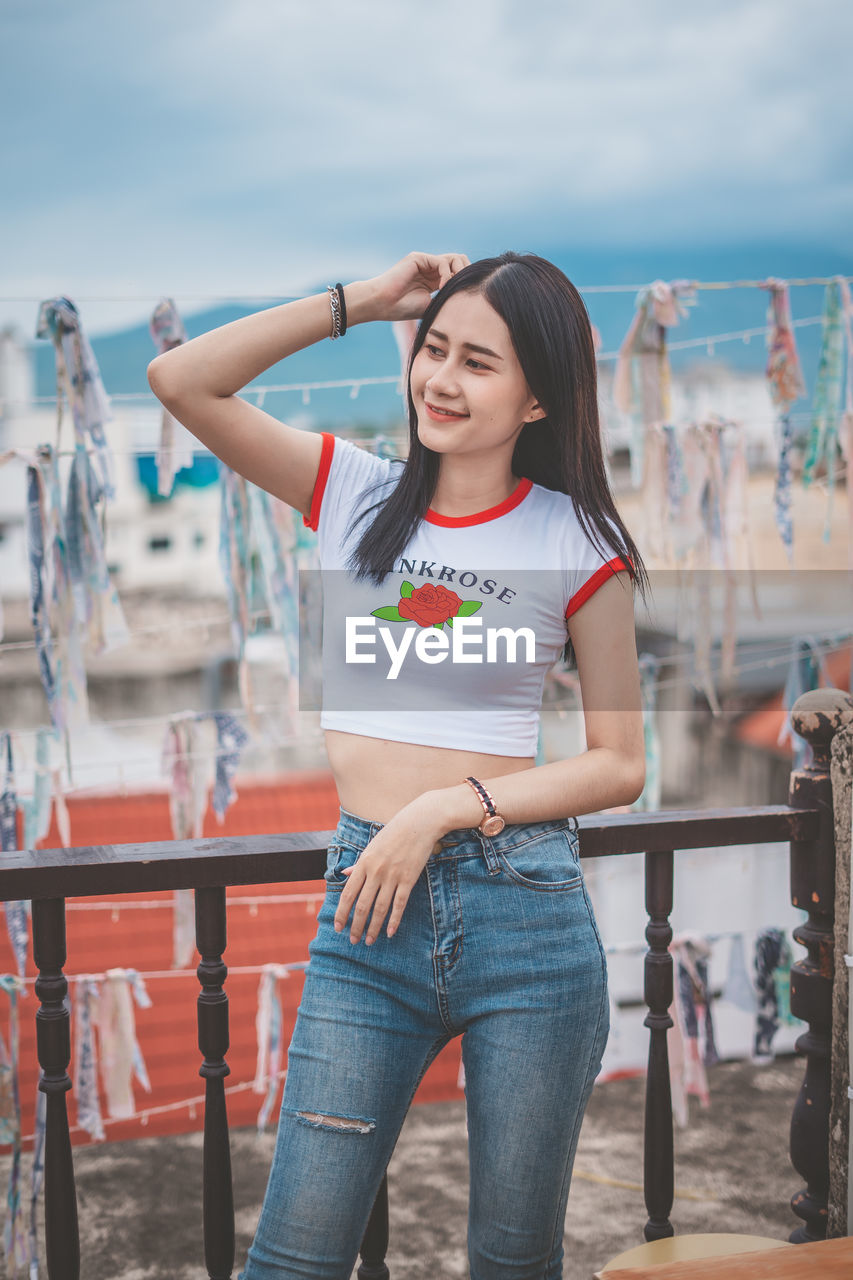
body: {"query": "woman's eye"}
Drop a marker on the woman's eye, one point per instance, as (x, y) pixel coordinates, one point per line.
(433, 351)
(477, 364)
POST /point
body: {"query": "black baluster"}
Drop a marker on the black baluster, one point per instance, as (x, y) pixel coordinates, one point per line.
(53, 1038)
(815, 716)
(213, 1044)
(658, 1173)
(374, 1246)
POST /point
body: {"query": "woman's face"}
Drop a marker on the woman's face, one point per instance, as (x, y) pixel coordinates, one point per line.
(468, 388)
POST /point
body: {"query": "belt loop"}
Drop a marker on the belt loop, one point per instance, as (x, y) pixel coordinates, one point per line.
(374, 827)
(489, 854)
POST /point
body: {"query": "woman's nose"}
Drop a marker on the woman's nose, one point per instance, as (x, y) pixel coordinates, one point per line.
(443, 382)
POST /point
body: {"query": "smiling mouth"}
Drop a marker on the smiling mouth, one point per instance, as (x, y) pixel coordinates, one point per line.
(444, 415)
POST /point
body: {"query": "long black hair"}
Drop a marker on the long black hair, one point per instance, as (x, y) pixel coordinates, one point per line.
(551, 333)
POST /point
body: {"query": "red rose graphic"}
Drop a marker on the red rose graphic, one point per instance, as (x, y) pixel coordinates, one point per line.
(430, 604)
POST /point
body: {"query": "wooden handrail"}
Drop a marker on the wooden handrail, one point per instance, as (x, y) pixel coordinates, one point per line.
(268, 859)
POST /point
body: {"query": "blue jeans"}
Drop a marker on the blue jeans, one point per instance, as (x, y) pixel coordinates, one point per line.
(498, 944)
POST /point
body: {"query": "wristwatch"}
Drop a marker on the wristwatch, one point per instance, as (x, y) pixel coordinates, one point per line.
(493, 823)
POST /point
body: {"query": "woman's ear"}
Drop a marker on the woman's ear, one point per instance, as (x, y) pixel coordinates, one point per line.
(535, 414)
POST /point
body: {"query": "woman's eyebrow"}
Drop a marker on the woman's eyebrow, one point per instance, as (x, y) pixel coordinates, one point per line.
(470, 346)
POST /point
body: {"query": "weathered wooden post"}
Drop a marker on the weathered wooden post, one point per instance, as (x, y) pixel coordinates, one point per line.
(218, 1194)
(53, 1038)
(816, 716)
(840, 1215)
(658, 1172)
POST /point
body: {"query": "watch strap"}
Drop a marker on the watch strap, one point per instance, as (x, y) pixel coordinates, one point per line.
(492, 822)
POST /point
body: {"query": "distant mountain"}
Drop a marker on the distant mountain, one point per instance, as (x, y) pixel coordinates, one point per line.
(370, 351)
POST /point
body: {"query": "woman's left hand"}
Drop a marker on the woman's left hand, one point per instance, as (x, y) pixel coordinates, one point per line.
(387, 870)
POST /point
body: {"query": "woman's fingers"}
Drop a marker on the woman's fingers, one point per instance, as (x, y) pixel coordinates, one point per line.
(348, 896)
(400, 899)
(449, 264)
(437, 268)
(365, 894)
(380, 911)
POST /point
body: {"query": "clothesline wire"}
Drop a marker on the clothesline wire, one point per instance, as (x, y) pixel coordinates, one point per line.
(161, 904)
(294, 297)
(756, 665)
(143, 1116)
(802, 416)
(356, 384)
(156, 974)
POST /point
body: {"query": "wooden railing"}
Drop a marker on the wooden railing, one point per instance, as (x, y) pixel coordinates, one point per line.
(47, 877)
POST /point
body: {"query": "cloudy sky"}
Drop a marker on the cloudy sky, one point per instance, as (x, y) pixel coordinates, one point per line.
(214, 148)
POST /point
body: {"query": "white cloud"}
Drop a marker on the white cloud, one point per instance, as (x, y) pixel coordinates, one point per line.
(210, 147)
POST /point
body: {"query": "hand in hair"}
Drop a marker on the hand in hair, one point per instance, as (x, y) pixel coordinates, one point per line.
(403, 292)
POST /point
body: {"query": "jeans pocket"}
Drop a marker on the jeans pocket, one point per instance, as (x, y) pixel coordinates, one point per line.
(549, 860)
(340, 854)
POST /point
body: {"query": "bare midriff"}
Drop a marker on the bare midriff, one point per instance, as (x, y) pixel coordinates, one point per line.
(376, 777)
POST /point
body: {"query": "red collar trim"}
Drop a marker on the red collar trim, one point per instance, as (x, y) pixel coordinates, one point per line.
(517, 496)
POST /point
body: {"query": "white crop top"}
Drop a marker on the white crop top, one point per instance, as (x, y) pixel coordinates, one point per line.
(452, 649)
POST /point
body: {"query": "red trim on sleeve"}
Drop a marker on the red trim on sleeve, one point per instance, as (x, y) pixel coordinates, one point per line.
(313, 518)
(592, 584)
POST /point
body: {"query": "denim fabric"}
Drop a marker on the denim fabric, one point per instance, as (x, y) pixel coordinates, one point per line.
(498, 944)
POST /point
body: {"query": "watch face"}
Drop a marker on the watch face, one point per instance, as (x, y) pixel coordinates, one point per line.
(492, 826)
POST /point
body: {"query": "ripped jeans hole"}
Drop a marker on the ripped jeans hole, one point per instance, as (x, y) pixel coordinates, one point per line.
(339, 1124)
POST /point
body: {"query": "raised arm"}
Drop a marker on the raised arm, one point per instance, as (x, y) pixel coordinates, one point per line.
(198, 381)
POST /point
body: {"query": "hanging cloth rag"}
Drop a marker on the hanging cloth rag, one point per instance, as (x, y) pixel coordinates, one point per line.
(846, 429)
(120, 1055)
(770, 948)
(823, 438)
(782, 982)
(17, 923)
(183, 764)
(78, 377)
(641, 386)
(37, 1175)
(738, 989)
(693, 1019)
(14, 1232)
(235, 558)
(268, 1027)
(785, 382)
(52, 606)
(182, 761)
(806, 669)
(649, 798)
(175, 449)
(186, 764)
(87, 995)
(735, 545)
(231, 738)
(97, 606)
(272, 531)
(47, 787)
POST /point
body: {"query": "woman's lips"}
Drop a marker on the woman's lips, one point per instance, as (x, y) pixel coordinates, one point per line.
(441, 415)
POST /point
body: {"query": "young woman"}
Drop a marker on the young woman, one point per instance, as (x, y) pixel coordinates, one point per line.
(455, 900)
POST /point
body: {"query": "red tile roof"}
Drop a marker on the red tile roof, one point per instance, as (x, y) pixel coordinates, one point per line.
(121, 936)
